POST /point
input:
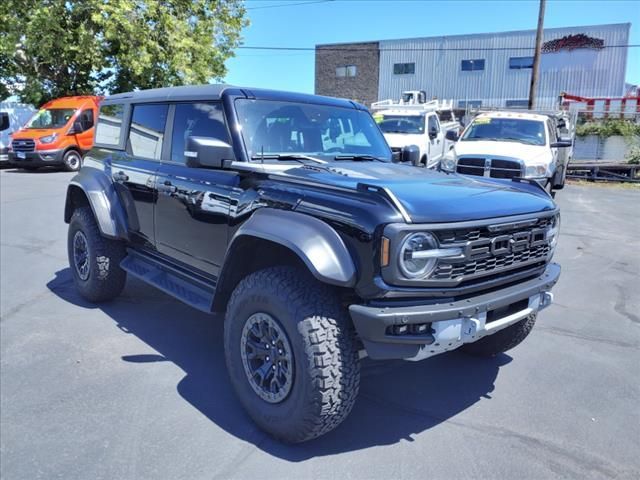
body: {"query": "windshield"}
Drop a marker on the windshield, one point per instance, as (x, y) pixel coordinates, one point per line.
(401, 123)
(324, 131)
(51, 118)
(530, 132)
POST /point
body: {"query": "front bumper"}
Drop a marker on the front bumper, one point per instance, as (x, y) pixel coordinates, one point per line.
(4, 155)
(450, 324)
(37, 158)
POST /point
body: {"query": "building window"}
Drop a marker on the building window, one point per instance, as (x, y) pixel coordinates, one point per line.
(517, 104)
(472, 65)
(470, 103)
(518, 63)
(404, 68)
(346, 71)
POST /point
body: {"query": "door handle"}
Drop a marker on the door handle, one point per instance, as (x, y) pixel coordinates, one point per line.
(120, 177)
(167, 187)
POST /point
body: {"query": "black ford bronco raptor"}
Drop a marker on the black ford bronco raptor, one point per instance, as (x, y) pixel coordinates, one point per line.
(289, 214)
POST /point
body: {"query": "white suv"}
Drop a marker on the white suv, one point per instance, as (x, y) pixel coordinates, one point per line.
(509, 145)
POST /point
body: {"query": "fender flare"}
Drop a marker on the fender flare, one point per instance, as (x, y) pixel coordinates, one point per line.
(103, 199)
(317, 244)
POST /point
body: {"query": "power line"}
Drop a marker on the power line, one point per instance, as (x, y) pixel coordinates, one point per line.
(288, 4)
(443, 49)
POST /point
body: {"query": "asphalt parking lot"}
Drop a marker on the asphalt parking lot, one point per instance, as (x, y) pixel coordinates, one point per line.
(137, 388)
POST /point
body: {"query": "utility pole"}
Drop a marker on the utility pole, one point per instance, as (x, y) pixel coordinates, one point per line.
(536, 56)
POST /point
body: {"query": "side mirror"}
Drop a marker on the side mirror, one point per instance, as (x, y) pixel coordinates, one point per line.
(4, 121)
(451, 135)
(433, 132)
(410, 154)
(207, 152)
(561, 143)
(77, 127)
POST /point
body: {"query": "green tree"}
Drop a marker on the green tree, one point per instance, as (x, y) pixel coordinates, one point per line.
(53, 48)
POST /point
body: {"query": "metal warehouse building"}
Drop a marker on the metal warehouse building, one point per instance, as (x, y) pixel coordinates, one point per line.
(488, 69)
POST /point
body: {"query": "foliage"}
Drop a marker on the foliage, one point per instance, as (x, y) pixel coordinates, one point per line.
(633, 155)
(609, 128)
(53, 48)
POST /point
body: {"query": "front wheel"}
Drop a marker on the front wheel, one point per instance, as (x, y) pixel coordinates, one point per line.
(72, 161)
(503, 340)
(291, 353)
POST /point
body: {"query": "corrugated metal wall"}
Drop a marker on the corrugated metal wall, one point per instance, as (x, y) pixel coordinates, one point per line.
(583, 72)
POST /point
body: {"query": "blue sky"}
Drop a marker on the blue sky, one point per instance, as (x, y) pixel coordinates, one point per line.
(306, 25)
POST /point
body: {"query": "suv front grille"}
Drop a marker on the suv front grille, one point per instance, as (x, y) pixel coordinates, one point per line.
(488, 263)
(489, 167)
(23, 145)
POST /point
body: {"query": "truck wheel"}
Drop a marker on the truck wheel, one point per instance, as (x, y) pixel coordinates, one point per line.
(72, 161)
(291, 353)
(503, 340)
(94, 260)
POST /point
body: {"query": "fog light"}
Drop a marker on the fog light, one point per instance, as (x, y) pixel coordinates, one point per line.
(420, 328)
(400, 329)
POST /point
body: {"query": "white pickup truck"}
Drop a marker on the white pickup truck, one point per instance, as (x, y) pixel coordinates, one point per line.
(415, 121)
(504, 144)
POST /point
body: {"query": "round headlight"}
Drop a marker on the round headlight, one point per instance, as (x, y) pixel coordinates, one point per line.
(536, 171)
(412, 265)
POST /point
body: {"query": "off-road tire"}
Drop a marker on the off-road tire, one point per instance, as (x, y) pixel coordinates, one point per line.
(72, 161)
(326, 373)
(501, 341)
(106, 279)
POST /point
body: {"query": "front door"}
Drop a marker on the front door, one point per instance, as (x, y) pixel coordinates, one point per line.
(436, 142)
(84, 138)
(134, 171)
(192, 211)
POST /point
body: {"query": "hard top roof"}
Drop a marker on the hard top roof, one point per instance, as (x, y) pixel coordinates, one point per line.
(216, 91)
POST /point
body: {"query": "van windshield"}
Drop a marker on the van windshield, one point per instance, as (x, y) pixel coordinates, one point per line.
(51, 118)
(284, 128)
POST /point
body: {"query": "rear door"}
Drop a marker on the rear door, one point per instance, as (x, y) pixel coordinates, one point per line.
(134, 170)
(192, 211)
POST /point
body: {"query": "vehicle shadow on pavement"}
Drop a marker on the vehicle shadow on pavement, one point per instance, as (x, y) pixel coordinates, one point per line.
(397, 399)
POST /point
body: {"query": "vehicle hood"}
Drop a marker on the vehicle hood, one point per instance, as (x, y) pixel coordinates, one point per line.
(35, 133)
(400, 140)
(430, 196)
(521, 151)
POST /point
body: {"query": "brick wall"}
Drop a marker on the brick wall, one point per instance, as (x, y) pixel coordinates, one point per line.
(363, 87)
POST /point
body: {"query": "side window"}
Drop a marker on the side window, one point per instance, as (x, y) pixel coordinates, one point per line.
(146, 134)
(433, 123)
(109, 124)
(196, 120)
(86, 119)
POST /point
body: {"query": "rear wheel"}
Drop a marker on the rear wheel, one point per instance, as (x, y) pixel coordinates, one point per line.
(291, 353)
(94, 260)
(72, 161)
(501, 341)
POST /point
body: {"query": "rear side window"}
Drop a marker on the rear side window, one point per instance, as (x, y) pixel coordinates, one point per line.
(196, 120)
(109, 124)
(146, 134)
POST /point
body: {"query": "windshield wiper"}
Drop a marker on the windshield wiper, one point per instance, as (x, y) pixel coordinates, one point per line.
(519, 140)
(287, 156)
(358, 157)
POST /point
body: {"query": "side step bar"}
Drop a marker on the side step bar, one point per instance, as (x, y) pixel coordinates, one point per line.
(170, 279)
